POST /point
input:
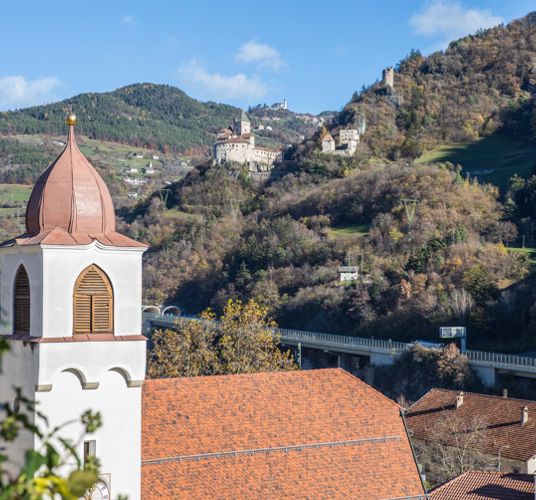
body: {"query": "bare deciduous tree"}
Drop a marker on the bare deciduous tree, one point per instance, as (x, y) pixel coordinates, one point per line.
(461, 303)
(455, 445)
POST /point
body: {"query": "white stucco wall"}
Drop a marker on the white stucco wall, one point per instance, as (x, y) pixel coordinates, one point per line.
(66, 378)
(531, 465)
(53, 271)
(118, 442)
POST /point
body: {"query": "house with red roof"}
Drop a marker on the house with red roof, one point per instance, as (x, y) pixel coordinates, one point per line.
(481, 485)
(507, 426)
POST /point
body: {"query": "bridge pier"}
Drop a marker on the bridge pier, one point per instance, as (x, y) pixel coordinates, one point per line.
(344, 361)
(381, 359)
(487, 374)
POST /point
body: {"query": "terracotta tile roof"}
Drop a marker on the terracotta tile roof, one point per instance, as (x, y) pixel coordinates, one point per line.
(319, 433)
(502, 417)
(326, 136)
(479, 485)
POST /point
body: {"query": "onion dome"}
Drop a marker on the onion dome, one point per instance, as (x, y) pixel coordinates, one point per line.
(71, 195)
(70, 204)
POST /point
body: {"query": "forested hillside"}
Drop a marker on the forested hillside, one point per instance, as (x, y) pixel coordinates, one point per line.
(157, 117)
(433, 246)
(283, 248)
(480, 85)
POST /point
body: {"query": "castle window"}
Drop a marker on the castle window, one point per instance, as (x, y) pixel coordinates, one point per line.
(21, 302)
(93, 302)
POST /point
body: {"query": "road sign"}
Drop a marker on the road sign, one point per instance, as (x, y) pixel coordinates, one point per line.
(452, 332)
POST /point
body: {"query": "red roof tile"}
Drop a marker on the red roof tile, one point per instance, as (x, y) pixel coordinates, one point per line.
(502, 417)
(479, 485)
(320, 433)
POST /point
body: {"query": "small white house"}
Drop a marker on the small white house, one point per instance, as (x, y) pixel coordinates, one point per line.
(348, 273)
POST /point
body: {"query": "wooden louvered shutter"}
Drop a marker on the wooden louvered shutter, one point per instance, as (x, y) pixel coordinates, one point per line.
(93, 302)
(21, 304)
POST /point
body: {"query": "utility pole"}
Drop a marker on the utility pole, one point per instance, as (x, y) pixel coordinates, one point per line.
(234, 206)
(164, 195)
(410, 205)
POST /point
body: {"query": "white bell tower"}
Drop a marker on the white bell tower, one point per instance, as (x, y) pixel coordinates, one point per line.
(70, 297)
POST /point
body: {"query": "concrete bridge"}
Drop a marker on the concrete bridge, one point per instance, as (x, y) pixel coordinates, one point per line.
(357, 353)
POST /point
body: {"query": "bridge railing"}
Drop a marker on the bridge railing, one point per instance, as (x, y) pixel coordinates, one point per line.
(510, 361)
(333, 339)
(501, 358)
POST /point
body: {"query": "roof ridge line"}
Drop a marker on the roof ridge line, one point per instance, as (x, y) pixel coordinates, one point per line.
(374, 391)
(492, 396)
(255, 451)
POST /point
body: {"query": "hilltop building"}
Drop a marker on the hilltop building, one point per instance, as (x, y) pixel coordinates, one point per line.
(348, 141)
(237, 144)
(280, 106)
(70, 294)
(388, 77)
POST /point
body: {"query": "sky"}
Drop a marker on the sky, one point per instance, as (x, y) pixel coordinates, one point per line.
(313, 53)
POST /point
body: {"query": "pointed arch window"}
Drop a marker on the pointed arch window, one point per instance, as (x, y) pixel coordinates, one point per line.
(21, 302)
(93, 302)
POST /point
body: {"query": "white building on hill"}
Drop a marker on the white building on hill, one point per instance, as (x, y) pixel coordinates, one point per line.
(237, 144)
(348, 141)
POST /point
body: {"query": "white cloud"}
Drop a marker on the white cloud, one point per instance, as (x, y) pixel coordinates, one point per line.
(449, 19)
(260, 53)
(216, 85)
(17, 91)
(127, 20)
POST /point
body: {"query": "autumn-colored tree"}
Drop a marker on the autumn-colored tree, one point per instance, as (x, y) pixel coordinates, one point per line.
(248, 342)
(187, 351)
(419, 369)
(242, 340)
(452, 367)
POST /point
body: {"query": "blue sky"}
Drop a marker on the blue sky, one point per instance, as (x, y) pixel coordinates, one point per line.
(314, 53)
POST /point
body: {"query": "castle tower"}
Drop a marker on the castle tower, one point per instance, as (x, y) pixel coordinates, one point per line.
(70, 295)
(388, 77)
(242, 124)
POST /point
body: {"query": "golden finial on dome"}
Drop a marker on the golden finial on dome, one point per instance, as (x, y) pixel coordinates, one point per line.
(71, 120)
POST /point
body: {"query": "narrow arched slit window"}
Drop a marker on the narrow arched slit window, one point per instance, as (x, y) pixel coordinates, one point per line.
(93, 302)
(21, 302)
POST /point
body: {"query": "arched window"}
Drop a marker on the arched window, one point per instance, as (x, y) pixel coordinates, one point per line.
(93, 302)
(21, 302)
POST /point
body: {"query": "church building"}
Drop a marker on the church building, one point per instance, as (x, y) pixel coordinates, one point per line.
(70, 296)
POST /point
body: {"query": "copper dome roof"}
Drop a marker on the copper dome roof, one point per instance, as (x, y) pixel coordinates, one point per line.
(71, 195)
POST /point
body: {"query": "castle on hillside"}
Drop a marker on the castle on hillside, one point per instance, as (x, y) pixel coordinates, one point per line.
(237, 144)
(348, 141)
